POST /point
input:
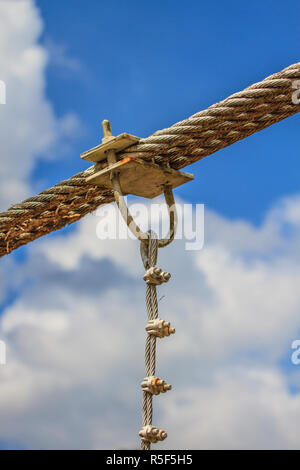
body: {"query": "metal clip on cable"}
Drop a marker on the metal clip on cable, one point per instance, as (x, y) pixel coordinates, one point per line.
(118, 194)
(159, 328)
(152, 434)
(156, 276)
(155, 385)
(153, 277)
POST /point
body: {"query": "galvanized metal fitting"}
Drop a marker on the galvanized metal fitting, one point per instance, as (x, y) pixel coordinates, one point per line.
(159, 328)
(155, 385)
(152, 434)
(156, 276)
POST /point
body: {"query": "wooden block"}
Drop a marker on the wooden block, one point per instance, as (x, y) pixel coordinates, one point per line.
(121, 142)
(140, 178)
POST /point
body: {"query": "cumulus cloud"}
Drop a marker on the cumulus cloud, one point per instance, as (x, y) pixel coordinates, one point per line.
(73, 311)
(59, 57)
(29, 128)
(75, 341)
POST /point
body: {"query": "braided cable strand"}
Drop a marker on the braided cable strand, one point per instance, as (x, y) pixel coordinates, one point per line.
(204, 133)
(150, 348)
(224, 123)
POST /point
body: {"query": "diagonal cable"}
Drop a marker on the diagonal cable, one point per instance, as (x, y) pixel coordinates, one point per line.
(238, 116)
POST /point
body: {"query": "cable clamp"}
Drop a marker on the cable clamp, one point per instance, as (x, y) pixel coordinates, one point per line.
(133, 175)
(152, 434)
(159, 327)
(136, 175)
(156, 276)
(155, 385)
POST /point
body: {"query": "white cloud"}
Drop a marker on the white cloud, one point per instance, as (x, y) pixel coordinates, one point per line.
(29, 128)
(240, 409)
(59, 57)
(75, 340)
(74, 311)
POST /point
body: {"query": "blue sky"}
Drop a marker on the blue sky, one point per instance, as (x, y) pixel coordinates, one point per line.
(71, 304)
(147, 65)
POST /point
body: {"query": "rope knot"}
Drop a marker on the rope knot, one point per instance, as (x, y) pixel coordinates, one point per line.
(155, 276)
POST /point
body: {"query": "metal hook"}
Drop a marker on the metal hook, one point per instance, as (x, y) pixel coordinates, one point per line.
(134, 228)
(115, 182)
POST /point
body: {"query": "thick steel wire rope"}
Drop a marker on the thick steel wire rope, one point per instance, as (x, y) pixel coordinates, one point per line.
(238, 116)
